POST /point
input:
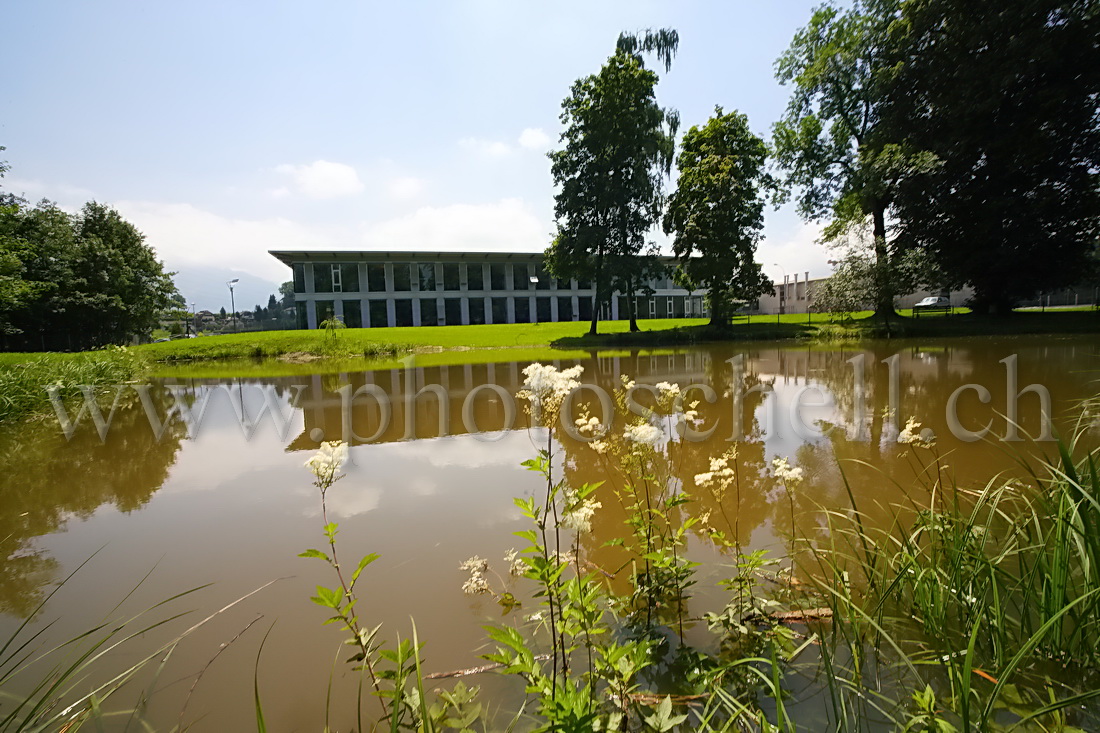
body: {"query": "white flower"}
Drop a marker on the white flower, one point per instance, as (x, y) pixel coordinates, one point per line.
(643, 434)
(578, 512)
(545, 387)
(477, 582)
(328, 460)
(667, 389)
(516, 565)
(599, 446)
(910, 435)
(785, 473)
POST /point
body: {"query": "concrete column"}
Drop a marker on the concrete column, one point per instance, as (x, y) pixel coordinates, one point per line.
(511, 310)
(465, 311)
(418, 320)
(391, 316)
(554, 307)
(576, 307)
(311, 314)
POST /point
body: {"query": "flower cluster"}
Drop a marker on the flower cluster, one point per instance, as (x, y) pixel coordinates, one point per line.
(477, 583)
(327, 461)
(644, 434)
(516, 565)
(578, 511)
(721, 472)
(785, 473)
(545, 387)
(910, 435)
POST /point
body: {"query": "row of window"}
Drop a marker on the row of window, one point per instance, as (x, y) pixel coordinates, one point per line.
(448, 311)
(343, 277)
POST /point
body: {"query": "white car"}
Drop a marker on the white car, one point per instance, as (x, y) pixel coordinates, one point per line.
(935, 301)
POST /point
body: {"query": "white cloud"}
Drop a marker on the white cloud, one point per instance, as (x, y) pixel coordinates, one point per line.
(183, 235)
(507, 225)
(405, 188)
(534, 138)
(66, 196)
(323, 179)
(489, 148)
(790, 250)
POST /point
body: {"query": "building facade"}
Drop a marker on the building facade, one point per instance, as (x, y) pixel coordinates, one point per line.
(387, 289)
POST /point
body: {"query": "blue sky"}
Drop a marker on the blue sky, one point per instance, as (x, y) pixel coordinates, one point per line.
(226, 129)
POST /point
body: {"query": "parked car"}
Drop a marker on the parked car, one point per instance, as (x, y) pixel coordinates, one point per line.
(932, 303)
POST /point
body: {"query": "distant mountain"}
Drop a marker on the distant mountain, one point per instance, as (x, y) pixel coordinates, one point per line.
(206, 288)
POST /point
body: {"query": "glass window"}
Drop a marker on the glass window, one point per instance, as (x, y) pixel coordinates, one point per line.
(475, 277)
(520, 279)
(301, 319)
(452, 309)
(624, 308)
(477, 309)
(299, 277)
(450, 277)
(545, 281)
(584, 284)
(379, 318)
(353, 314)
(584, 308)
(564, 284)
(428, 315)
(542, 310)
(427, 276)
(500, 310)
(523, 310)
(325, 309)
(403, 311)
(322, 277)
(401, 279)
(497, 280)
(565, 309)
(349, 277)
(376, 278)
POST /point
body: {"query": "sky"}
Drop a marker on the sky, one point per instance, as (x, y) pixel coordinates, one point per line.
(223, 129)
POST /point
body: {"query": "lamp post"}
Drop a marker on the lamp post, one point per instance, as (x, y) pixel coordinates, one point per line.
(782, 293)
(232, 302)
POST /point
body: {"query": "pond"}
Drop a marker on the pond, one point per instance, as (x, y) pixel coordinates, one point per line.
(146, 509)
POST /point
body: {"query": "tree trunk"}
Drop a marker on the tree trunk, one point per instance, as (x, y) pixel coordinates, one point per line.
(631, 306)
(596, 298)
(884, 292)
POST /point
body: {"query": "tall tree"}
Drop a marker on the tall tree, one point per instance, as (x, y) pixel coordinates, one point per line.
(830, 142)
(1004, 95)
(717, 212)
(618, 145)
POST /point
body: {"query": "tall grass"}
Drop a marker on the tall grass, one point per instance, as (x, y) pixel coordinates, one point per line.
(25, 377)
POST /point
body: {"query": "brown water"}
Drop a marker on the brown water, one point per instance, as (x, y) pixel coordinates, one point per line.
(230, 505)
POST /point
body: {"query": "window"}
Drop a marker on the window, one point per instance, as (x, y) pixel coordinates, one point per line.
(403, 311)
(427, 276)
(475, 277)
(428, 315)
(584, 308)
(353, 314)
(322, 278)
(520, 278)
(325, 310)
(584, 284)
(452, 310)
(376, 278)
(379, 318)
(564, 284)
(523, 310)
(477, 309)
(401, 279)
(299, 269)
(545, 281)
(450, 277)
(565, 309)
(500, 310)
(497, 280)
(542, 310)
(349, 277)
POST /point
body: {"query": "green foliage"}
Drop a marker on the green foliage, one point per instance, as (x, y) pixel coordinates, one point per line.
(76, 281)
(717, 212)
(1012, 204)
(617, 146)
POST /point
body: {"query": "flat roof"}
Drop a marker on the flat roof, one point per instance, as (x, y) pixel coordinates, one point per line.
(287, 257)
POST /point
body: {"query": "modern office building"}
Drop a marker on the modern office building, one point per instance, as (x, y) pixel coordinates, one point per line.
(379, 289)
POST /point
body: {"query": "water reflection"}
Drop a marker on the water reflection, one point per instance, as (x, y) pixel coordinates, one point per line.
(431, 482)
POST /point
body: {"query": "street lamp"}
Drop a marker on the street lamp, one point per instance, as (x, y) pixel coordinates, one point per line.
(782, 293)
(232, 302)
